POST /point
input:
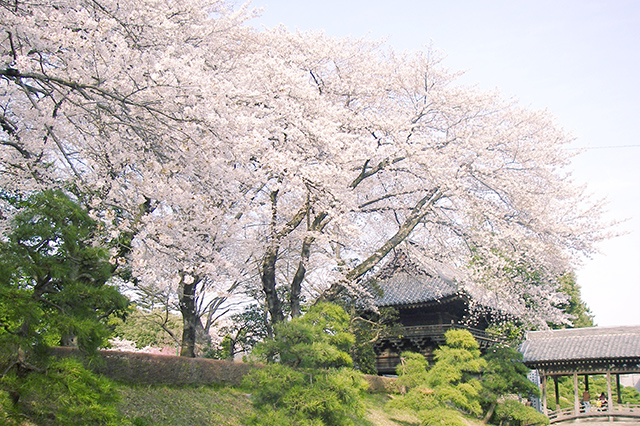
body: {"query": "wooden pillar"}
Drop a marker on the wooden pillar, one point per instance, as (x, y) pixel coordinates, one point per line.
(555, 386)
(586, 383)
(609, 399)
(586, 396)
(545, 411)
(576, 401)
(618, 388)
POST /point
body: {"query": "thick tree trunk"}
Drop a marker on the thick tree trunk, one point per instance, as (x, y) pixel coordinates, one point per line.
(296, 284)
(269, 286)
(268, 273)
(190, 317)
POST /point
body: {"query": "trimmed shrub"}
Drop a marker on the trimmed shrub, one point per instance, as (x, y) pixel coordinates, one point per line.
(321, 397)
(66, 394)
(518, 414)
(441, 417)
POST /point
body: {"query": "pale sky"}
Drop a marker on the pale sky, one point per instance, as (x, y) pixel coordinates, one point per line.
(579, 59)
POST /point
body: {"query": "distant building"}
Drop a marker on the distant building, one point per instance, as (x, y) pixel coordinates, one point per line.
(429, 301)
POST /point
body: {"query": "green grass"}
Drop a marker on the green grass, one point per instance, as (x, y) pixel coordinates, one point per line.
(221, 406)
(217, 406)
(188, 405)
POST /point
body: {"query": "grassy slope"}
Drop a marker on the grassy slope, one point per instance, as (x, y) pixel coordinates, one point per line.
(219, 406)
(190, 405)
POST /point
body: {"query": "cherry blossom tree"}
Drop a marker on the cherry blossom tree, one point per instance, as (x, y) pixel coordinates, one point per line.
(123, 102)
(303, 160)
(383, 149)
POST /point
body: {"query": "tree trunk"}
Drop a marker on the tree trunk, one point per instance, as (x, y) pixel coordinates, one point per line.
(269, 286)
(190, 317)
(268, 274)
(296, 285)
(421, 209)
(489, 413)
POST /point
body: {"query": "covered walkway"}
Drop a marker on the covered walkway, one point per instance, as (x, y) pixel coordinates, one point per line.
(608, 351)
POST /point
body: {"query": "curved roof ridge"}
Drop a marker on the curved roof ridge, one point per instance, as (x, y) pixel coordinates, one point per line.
(582, 332)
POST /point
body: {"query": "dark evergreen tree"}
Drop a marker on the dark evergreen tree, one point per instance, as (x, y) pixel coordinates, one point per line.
(53, 291)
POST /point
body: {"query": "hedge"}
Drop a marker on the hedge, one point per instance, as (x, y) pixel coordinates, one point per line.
(153, 369)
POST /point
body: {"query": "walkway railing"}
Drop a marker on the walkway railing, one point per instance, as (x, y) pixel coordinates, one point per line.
(619, 410)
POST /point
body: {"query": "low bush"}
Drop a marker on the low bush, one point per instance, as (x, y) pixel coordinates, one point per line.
(517, 414)
(322, 397)
(441, 417)
(64, 394)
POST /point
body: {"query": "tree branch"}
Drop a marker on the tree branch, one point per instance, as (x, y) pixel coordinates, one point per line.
(419, 211)
(366, 172)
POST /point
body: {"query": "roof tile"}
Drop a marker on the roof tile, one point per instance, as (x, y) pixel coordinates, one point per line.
(582, 343)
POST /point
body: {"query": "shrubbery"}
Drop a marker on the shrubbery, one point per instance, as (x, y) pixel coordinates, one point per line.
(516, 414)
(462, 383)
(54, 290)
(312, 383)
(65, 394)
(452, 383)
(441, 416)
(285, 396)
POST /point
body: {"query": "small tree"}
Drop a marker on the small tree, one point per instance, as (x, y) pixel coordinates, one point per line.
(504, 374)
(245, 330)
(451, 387)
(319, 339)
(54, 279)
(304, 383)
(157, 327)
(367, 328)
(514, 413)
(53, 290)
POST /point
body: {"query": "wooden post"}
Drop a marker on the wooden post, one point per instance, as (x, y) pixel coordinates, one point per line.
(609, 399)
(618, 388)
(586, 382)
(555, 383)
(586, 394)
(576, 401)
(544, 395)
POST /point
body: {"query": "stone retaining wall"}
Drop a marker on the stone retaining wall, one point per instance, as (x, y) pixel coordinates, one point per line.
(151, 369)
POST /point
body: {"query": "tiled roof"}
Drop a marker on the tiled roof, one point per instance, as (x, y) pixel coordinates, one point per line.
(405, 282)
(409, 289)
(582, 344)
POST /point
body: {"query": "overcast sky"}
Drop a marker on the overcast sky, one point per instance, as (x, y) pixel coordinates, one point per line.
(580, 59)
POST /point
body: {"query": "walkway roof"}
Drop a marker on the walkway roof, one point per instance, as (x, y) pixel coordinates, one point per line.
(594, 348)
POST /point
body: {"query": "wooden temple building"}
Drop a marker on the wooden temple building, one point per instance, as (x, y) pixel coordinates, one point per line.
(429, 302)
(608, 351)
